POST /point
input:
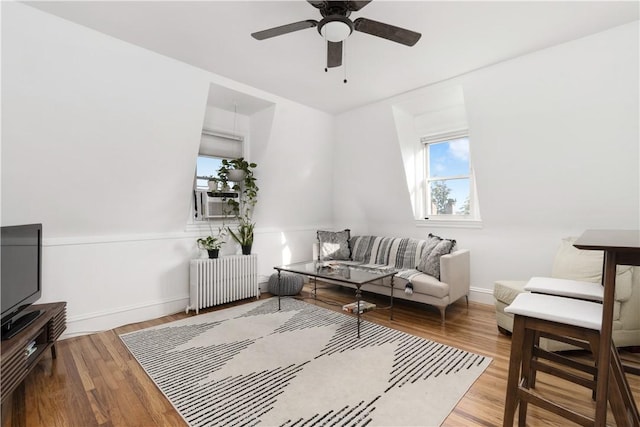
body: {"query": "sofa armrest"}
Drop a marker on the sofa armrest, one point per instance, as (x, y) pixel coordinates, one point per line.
(315, 250)
(455, 271)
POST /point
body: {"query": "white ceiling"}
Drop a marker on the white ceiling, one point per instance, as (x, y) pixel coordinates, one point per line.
(457, 37)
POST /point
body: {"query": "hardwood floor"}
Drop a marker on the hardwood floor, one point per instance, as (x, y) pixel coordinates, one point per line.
(96, 382)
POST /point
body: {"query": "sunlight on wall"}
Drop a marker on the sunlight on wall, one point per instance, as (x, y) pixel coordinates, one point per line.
(286, 252)
(409, 147)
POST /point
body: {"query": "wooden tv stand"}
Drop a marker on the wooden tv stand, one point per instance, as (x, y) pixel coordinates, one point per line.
(44, 330)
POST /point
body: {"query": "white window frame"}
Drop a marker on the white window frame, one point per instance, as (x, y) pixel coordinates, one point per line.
(471, 220)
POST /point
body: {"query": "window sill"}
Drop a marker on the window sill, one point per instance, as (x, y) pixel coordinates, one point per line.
(449, 223)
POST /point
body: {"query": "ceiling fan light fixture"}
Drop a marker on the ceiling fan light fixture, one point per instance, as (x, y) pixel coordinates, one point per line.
(336, 29)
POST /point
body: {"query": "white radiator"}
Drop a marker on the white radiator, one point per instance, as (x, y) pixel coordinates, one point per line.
(221, 280)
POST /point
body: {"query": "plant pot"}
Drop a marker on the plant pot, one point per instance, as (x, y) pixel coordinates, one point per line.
(213, 185)
(236, 175)
(246, 249)
(213, 253)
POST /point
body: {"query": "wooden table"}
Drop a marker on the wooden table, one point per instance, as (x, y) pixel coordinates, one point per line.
(620, 247)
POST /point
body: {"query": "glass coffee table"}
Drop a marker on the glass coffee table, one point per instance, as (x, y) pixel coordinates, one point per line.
(352, 274)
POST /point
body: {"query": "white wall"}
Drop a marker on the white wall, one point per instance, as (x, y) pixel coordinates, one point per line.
(294, 175)
(88, 146)
(99, 143)
(554, 139)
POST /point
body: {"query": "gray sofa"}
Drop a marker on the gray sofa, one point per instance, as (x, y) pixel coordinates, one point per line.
(449, 282)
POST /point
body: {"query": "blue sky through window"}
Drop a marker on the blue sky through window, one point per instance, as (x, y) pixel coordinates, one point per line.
(449, 159)
(206, 166)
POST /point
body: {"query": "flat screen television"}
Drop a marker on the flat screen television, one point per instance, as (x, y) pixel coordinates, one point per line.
(20, 275)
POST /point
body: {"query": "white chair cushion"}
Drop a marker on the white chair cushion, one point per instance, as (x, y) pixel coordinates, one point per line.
(566, 288)
(569, 311)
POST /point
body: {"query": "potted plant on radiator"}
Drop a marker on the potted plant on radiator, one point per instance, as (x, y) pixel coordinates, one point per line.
(244, 234)
(213, 242)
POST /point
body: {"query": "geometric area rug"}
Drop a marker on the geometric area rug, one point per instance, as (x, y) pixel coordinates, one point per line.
(303, 365)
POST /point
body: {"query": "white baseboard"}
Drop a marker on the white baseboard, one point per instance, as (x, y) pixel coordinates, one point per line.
(90, 323)
(481, 295)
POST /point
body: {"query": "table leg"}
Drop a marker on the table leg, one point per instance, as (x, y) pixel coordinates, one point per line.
(279, 290)
(626, 411)
(391, 308)
(604, 356)
(358, 299)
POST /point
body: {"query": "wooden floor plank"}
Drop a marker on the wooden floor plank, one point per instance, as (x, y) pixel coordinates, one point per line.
(96, 382)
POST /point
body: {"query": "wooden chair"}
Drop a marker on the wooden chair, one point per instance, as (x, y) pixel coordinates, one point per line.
(588, 291)
(570, 320)
(567, 319)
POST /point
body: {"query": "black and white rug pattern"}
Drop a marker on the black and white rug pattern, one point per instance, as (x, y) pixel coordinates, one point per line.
(303, 365)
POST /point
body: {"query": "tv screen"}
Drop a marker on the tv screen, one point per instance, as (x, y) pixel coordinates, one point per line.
(20, 269)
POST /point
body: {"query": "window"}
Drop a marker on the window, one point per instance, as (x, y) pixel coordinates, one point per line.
(449, 184)
(206, 166)
(214, 147)
(433, 134)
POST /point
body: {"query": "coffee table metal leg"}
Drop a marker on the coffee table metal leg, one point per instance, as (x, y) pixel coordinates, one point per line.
(279, 290)
(358, 298)
(391, 309)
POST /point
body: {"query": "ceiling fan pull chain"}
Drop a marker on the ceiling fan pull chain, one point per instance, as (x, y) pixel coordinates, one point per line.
(326, 47)
(344, 59)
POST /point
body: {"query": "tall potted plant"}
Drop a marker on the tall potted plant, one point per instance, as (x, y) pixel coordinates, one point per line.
(244, 234)
(242, 208)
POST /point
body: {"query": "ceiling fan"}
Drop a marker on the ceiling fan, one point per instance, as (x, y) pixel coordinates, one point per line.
(335, 26)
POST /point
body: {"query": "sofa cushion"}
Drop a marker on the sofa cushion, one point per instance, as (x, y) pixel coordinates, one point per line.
(576, 264)
(425, 284)
(402, 253)
(365, 249)
(334, 245)
(406, 253)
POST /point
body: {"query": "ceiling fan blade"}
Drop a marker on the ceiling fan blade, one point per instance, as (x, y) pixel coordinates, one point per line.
(334, 54)
(386, 31)
(317, 3)
(284, 29)
(354, 6)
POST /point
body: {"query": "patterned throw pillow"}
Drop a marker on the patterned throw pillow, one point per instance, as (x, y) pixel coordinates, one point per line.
(432, 242)
(334, 245)
(431, 264)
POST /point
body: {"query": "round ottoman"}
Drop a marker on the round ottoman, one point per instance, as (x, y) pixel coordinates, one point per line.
(291, 284)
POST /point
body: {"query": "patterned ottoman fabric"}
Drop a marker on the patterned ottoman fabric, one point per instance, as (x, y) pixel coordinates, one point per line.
(291, 284)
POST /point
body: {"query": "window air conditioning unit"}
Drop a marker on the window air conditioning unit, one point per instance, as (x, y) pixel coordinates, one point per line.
(210, 205)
